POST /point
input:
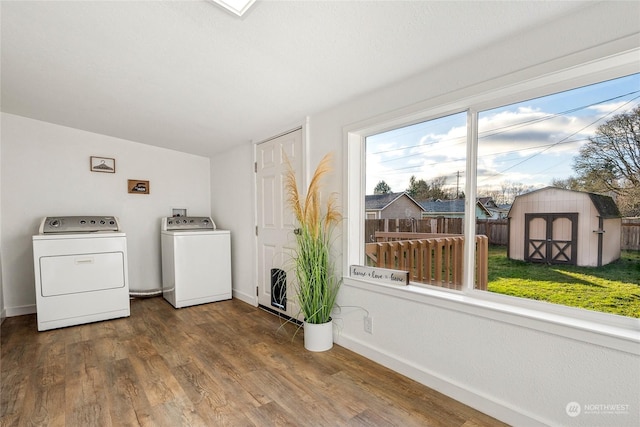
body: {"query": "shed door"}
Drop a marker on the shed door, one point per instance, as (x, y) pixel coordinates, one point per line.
(551, 238)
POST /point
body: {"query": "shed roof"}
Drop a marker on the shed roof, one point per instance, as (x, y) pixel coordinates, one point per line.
(605, 205)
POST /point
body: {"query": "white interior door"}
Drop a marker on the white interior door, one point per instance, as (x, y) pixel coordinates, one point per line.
(275, 221)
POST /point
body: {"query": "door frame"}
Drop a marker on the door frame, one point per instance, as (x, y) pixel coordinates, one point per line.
(305, 177)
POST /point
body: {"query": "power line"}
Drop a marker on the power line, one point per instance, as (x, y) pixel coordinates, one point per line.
(549, 116)
(424, 148)
(503, 129)
(496, 153)
(563, 139)
(414, 128)
(544, 147)
(462, 138)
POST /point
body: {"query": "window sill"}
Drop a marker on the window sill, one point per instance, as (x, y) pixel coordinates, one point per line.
(611, 331)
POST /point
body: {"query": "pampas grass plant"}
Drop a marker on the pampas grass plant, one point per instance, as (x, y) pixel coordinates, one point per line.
(317, 283)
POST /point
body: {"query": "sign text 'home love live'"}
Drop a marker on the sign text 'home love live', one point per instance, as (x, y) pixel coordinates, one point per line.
(381, 275)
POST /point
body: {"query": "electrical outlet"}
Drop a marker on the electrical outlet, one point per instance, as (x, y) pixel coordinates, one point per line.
(368, 325)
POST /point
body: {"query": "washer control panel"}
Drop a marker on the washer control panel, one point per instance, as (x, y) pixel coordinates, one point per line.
(188, 223)
(78, 224)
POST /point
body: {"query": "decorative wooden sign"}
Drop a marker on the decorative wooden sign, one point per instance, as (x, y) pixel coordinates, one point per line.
(381, 275)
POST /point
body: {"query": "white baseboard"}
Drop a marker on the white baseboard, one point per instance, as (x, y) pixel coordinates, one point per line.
(242, 296)
(459, 392)
(21, 310)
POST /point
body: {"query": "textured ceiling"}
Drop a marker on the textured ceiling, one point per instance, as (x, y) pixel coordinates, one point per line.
(190, 76)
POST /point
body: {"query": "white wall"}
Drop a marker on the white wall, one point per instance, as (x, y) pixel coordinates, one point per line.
(45, 172)
(2, 309)
(518, 373)
(232, 208)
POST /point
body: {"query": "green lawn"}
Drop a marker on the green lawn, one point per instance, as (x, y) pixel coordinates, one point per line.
(614, 288)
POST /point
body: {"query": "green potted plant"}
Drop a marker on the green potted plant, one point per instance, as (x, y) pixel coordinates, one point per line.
(316, 281)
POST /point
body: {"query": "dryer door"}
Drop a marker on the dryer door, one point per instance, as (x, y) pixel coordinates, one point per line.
(70, 274)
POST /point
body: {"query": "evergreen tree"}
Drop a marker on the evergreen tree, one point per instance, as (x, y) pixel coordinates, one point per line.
(382, 188)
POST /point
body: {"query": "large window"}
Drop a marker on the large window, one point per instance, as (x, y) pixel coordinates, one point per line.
(415, 180)
(566, 168)
(548, 180)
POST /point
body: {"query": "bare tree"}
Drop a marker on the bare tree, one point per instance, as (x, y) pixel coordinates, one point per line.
(611, 158)
(496, 195)
(570, 183)
(509, 190)
(437, 190)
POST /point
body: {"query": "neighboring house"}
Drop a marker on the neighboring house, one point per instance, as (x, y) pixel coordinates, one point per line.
(496, 211)
(391, 205)
(452, 209)
(558, 226)
(503, 211)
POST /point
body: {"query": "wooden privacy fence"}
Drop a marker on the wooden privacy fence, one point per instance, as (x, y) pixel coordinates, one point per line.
(410, 225)
(630, 234)
(497, 230)
(432, 258)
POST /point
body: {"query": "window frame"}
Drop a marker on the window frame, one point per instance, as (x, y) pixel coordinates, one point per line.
(596, 327)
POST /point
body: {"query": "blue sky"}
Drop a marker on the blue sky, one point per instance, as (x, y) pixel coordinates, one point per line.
(528, 143)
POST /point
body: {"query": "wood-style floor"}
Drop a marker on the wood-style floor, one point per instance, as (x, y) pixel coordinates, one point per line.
(225, 363)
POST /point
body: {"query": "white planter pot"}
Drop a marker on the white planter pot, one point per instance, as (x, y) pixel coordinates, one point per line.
(318, 337)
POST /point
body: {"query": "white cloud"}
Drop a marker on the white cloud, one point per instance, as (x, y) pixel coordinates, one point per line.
(613, 107)
(524, 144)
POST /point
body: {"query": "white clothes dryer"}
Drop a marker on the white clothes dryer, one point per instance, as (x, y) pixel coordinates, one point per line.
(196, 261)
(81, 274)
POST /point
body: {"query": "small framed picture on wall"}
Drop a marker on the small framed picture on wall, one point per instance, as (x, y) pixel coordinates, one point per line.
(103, 164)
(137, 186)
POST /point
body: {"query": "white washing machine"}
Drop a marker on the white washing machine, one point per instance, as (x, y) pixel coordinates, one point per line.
(81, 275)
(196, 261)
